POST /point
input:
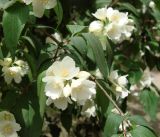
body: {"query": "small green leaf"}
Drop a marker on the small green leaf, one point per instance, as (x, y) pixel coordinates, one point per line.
(102, 3)
(138, 120)
(80, 44)
(134, 77)
(74, 29)
(14, 19)
(112, 124)
(41, 93)
(59, 12)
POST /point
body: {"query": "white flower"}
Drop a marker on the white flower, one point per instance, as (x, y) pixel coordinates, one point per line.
(96, 27)
(64, 70)
(118, 33)
(82, 90)
(11, 73)
(9, 129)
(152, 4)
(98, 74)
(8, 125)
(39, 6)
(113, 75)
(113, 31)
(122, 80)
(119, 27)
(6, 62)
(6, 116)
(24, 66)
(83, 75)
(54, 88)
(89, 108)
(117, 17)
(13, 70)
(60, 103)
(119, 82)
(101, 14)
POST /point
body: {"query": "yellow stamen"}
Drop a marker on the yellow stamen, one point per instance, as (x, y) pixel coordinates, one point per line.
(7, 129)
(65, 72)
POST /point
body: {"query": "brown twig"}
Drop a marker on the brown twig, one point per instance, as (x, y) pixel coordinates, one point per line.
(108, 96)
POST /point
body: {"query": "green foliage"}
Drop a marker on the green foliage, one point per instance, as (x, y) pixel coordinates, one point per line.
(150, 102)
(141, 131)
(64, 31)
(112, 124)
(14, 20)
(59, 12)
(98, 53)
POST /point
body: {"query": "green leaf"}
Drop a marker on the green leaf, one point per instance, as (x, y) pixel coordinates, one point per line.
(102, 3)
(146, 2)
(6, 3)
(41, 93)
(80, 44)
(141, 131)
(138, 120)
(109, 53)
(98, 53)
(134, 77)
(1, 54)
(59, 12)
(32, 64)
(28, 115)
(150, 102)
(157, 2)
(112, 124)
(74, 29)
(129, 7)
(101, 101)
(118, 135)
(14, 19)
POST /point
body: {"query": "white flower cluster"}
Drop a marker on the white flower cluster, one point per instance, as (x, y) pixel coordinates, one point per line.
(13, 70)
(119, 83)
(65, 82)
(145, 81)
(112, 23)
(8, 125)
(39, 6)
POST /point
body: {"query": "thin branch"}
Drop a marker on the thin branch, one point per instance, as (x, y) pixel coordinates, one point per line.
(52, 37)
(108, 96)
(124, 130)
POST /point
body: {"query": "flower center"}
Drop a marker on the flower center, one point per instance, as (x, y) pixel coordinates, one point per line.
(12, 73)
(65, 72)
(7, 117)
(8, 129)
